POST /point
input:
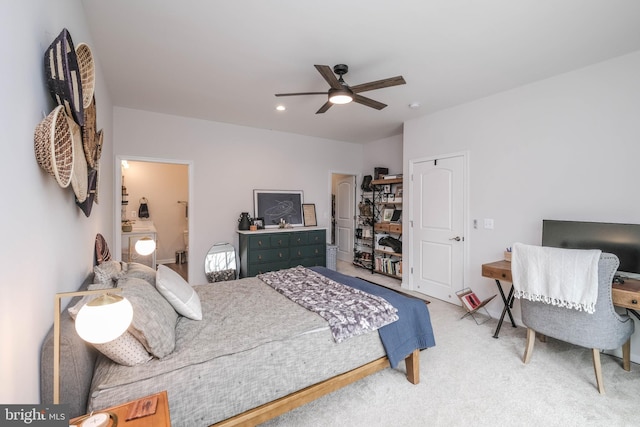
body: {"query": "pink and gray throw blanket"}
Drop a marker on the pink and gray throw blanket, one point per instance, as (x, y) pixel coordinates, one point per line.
(350, 312)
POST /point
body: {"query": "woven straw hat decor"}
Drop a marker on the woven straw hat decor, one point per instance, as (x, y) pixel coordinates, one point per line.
(53, 146)
(79, 176)
(91, 142)
(66, 142)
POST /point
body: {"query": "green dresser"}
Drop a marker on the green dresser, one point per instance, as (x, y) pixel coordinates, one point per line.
(270, 250)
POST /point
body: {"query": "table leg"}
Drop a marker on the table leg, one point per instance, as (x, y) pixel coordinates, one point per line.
(508, 303)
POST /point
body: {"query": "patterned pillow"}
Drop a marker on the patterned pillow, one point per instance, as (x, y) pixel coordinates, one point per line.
(179, 293)
(141, 271)
(126, 349)
(108, 273)
(154, 319)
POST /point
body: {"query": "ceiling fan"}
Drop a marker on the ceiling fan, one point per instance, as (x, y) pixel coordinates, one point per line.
(341, 93)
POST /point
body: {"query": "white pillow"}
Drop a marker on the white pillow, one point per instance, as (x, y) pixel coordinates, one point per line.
(179, 293)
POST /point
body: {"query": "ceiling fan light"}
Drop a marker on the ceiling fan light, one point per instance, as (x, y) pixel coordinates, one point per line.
(340, 96)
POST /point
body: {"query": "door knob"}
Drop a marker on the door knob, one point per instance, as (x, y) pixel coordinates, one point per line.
(457, 238)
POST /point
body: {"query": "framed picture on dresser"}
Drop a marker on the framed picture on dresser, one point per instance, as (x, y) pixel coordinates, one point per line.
(309, 214)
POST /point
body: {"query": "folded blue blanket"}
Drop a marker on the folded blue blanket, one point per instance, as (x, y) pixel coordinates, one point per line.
(410, 332)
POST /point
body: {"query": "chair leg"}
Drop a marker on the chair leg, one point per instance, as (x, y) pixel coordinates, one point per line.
(626, 355)
(531, 339)
(598, 368)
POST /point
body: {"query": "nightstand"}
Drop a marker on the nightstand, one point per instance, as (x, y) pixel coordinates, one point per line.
(159, 419)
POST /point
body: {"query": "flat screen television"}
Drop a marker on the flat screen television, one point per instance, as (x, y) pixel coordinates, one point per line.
(622, 240)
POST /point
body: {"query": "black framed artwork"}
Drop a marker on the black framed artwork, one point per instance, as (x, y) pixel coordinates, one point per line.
(277, 205)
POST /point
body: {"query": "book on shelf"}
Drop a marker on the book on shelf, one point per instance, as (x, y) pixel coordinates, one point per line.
(396, 176)
(471, 301)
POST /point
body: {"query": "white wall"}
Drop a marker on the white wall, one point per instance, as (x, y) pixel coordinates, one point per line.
(564, 148)
(386, 152)
(48, 243)
(229, 162)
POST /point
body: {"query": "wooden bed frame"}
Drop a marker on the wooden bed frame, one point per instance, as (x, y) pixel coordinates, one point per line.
(287, 403)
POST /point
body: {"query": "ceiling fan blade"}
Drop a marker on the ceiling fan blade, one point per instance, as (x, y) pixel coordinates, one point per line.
(324, 108)
(378, 84)
(328, 75)
(368, 102)
(301, 93)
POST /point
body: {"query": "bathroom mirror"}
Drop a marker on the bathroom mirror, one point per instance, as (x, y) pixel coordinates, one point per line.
(220, 263)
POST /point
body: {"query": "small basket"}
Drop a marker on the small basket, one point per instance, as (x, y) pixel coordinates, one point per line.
(53, 146)
(63, 76)
(79, 175)
(87, 73)
(90, 139)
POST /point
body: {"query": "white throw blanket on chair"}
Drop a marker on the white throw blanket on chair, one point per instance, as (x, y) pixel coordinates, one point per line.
(562, 277)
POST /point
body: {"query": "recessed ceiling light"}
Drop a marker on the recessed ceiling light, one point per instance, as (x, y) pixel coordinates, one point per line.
(414, 105)
(281, 108)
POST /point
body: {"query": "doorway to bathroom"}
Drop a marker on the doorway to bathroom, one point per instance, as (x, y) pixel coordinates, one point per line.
(154, 201)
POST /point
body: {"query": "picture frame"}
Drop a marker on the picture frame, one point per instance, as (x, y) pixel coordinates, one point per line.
(274, 205)
(259, 222)
(309, 214)
(387, 214)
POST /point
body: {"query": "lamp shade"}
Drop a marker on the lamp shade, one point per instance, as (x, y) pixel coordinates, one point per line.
(340, 96)
(104, 318)
(145, 246)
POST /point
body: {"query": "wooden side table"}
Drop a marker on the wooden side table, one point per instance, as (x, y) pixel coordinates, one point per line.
(159, 419)
(501, 270)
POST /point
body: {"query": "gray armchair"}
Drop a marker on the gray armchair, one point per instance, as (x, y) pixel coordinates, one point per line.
(603, 330)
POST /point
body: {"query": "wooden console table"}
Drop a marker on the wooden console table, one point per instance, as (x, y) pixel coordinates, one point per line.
(626, 295)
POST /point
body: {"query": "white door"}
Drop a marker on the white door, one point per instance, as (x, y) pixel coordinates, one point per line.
(437, 214)
(345, 214)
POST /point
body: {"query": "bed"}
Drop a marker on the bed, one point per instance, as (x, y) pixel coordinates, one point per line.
(254, 355)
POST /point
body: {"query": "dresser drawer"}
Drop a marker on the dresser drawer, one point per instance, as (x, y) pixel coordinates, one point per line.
(268, 255)
(317, 237)
(310, 251)
(259, 242)
(299, 239)
(279, 240)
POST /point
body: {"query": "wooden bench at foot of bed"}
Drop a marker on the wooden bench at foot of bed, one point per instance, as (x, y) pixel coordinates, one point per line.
(287, 403)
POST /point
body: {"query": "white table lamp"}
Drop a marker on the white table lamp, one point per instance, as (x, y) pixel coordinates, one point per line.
(101, 320)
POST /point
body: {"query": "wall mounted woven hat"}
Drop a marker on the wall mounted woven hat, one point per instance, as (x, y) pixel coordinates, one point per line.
(87, 72)
(91, 140)
(53, 146)
(79, 175)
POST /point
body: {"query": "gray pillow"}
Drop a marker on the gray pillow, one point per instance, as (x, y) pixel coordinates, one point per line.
(154, 319)
(141, 271)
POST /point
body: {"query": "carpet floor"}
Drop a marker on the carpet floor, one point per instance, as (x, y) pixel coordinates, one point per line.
(471, 379)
